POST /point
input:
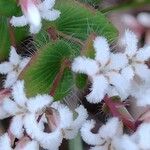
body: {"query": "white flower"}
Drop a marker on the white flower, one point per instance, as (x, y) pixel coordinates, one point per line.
(33, 12)
(136, 58)
(103, 71)
(24, 143)
(20, 105)
(139, 140)
(141, 93)
(5, 143)
(13, 67)
(105, 136)
(62, 126)
(125, 143)
(142, 136)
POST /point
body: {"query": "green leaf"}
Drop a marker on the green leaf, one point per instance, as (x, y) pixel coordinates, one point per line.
(4, 40)
(81, 81)
(92, 2)
(79, 21)
(19, 35)
(9, 8)
(40, 74)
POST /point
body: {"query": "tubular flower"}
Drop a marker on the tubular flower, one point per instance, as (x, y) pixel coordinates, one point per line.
(61, 125)
(106, 134)
(33, 11)
(19, 106)
(136, 58)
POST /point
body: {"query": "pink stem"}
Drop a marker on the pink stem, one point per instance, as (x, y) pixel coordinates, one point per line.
(128, 121)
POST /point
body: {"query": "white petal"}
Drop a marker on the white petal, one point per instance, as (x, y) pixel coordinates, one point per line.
(14, 58)
(46, 4)
(130, 41)
(142, 71)
(5, 143)
(98, 89)
(66, 117)
(39, 102)
(3, 113)
(110, 129)
(5, 67)
(82, 116)
(143, 97)
(117, 61)
(89, 137)
(16, 126)
(11, 78)
(33, 145)
(10, 106)
(111, 91)
(102, 50)
(18, 93)
(143, 54)
(144, 19)
(50, 15)
(127, 73)
(49, 141)
(125, 143)
(85, 65)
(144, 136)
(121, 84)
(72, 131)
(35, 29)
(33, 14)
(19, 21)
(104, 147)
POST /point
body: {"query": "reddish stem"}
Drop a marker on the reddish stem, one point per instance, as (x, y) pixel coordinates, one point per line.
(113, 107)
(58, 77)
(52, 33)
(12, 35)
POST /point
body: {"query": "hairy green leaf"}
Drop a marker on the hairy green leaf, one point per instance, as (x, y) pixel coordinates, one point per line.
(78, 21)
(92, 2)
(39, 76)
(9, 8)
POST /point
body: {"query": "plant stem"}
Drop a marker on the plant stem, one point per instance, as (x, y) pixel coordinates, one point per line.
(52, 33)
(127, 119)
(12, 35)
(76, 143)
(68, 37)
(65, 64)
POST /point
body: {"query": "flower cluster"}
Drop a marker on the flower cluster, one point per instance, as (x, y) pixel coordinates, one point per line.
(29, 116)
(13, 67)
(110, 136)
(115, 73)
(33, 11)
